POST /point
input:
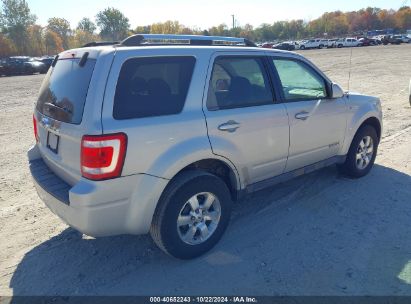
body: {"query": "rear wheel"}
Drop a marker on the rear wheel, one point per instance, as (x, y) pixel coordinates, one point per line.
(362, 153)
(192, 214)
(302, 47)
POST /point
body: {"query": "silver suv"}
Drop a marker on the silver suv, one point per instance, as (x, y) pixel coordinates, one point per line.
(161, 133)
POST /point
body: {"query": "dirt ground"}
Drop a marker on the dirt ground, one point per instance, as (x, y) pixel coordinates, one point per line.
(320, 234)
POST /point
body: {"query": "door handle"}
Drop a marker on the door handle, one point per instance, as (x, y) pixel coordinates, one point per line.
(302, 115)
(229, 126)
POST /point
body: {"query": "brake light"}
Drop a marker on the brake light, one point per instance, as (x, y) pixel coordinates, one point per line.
(102, 156)
(36, 134)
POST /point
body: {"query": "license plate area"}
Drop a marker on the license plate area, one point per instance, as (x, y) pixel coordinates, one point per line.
(53, 142)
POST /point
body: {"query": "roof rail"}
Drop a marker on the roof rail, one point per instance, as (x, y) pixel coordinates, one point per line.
(166, 39)
(100, 43)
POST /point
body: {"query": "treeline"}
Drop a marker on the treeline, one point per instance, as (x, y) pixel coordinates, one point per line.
(20, 35)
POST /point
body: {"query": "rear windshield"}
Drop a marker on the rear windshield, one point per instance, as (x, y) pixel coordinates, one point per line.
(152, 86)
(64, 90)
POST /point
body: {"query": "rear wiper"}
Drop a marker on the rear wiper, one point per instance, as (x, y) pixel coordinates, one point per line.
(55, 107)
(53, 64)
(83, 59)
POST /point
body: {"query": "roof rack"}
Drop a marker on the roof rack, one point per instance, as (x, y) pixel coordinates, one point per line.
(100, 43)
(166, 39)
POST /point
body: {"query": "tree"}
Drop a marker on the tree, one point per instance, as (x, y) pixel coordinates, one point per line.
(113, 24)
(168, 27)
(403, 18)
(145, 29)
(86, 25)
(15, 20)
(83, 37)
(35, 40)
(387, 19)
(61, 27)
(53, 43)
(7, 48)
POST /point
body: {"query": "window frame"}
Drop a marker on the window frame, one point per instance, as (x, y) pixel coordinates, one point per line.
(278, 83)
(266, 70)
(152, 57)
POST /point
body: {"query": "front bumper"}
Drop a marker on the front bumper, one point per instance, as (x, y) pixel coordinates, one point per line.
(100, 208)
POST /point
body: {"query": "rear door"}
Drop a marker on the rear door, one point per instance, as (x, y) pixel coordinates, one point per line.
(317, 122)
(245, 124)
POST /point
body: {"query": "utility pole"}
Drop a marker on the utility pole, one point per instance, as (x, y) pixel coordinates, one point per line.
(233, 21)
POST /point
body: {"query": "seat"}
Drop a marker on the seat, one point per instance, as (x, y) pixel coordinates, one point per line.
(240, 92)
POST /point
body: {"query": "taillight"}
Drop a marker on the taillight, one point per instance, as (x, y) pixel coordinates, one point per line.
(102, 156)
(36, 134)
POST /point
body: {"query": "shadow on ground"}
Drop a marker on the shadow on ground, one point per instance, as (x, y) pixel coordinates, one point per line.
(320, 234)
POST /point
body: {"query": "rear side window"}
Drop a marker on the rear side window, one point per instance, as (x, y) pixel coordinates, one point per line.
(64, 90)
(153, 86)
(238, 82)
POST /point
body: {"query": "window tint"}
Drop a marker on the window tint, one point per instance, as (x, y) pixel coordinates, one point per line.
(152, 86)
(64, 90)
(299, 82)
(238, 82)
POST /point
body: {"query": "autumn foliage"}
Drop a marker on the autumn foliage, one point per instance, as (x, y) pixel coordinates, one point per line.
(20, 35)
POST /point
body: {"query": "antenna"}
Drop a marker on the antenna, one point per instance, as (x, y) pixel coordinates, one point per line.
(349, 71)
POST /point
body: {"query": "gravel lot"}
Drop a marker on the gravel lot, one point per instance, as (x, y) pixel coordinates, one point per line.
(320, 234)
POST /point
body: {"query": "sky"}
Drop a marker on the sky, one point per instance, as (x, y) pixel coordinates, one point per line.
(202, 14)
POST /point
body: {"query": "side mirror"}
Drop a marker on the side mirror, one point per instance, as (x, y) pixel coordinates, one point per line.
(337, 91)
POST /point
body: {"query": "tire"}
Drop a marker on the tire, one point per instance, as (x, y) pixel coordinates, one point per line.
(340, 46)
(320, 46)
(176, 203)
(355, 165)
(302, 47)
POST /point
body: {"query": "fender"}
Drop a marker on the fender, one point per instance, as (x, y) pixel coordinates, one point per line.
(360, 108)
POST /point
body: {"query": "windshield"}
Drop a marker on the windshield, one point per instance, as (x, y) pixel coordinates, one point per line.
(64, 90)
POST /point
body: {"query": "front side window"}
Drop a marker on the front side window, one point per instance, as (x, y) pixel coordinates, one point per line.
(299, 82)
(152, 86)
(238, 82)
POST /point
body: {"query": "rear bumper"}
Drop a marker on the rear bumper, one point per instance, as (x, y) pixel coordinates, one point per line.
(118, 206)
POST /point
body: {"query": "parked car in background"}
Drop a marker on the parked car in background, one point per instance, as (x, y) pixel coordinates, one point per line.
(348, 42)
(331, 43)
(313, 44)
(409, 93)
(267, 45)
(287, 46)
(2, 69)
(47, 61)
(391, 39)
(405, 39)
(367, 41)
(22, 65)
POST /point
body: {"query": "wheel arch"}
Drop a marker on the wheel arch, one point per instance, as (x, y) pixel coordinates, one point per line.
(221, 168)
(372, 121)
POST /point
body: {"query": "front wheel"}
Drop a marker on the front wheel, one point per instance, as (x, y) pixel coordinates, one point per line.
(192, 214)
(362, 153)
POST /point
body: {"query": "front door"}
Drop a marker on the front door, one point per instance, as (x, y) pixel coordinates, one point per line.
(317, 122)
